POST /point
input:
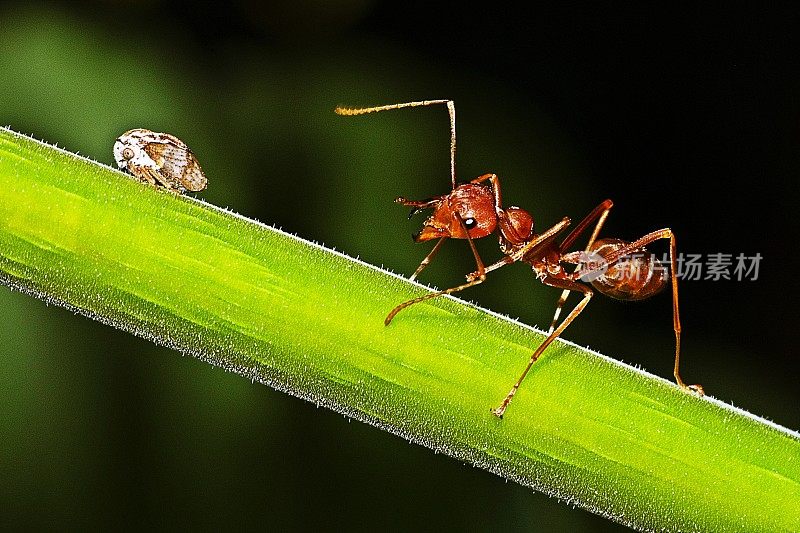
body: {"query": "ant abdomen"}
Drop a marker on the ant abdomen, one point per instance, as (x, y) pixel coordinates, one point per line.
(637, 276)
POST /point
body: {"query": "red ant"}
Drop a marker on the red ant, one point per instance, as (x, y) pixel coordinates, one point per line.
(619, 269)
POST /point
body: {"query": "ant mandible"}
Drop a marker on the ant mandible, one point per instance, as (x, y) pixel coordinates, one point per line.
(619, 269)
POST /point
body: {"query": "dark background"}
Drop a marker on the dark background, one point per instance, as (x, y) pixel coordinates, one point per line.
(687, 118)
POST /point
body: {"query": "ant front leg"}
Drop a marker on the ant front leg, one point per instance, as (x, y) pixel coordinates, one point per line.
(418, 205)
(428, 258)
(481, 276)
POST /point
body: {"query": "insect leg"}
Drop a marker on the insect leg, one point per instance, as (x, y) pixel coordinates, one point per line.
(479, 278)
(505, 260)
(561, 284)
(540, 239)
(142, 174)
(428, 258)
(418, 205)
(523, 251)
(599, 213)
(637, 245)
(153, 177)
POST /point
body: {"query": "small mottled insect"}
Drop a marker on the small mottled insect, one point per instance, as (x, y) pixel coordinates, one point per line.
(159, 158)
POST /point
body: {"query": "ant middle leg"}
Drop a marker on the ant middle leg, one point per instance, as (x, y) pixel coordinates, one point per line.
(567, 285)
(599, 213)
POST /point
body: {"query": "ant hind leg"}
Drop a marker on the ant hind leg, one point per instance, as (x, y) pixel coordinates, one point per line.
(637, 245)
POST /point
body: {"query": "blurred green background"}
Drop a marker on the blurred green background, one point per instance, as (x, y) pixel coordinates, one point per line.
(688, 119)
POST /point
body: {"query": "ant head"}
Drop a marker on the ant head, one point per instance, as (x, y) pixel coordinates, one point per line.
(516, 225)
(473, 203)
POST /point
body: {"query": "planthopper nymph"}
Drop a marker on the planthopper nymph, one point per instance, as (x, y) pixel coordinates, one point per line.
(159, 158)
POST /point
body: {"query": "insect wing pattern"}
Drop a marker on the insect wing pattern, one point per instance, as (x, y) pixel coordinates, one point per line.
(176, 162)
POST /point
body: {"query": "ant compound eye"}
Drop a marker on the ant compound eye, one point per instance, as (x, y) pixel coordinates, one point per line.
(127, 153)
(470, 223)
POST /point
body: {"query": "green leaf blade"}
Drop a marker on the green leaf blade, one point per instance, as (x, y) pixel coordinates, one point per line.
(309, 321)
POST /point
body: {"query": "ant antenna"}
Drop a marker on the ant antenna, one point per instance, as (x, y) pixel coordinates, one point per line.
(451, 108)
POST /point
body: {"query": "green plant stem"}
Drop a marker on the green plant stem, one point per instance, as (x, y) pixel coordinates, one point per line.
(309, 321)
